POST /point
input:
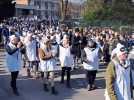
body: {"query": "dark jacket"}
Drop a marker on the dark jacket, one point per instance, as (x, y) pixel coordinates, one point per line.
(76, 46)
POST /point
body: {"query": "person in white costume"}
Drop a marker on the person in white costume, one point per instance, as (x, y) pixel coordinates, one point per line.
(48, 65)
(66, 59)
(31, 47)
(91, 56)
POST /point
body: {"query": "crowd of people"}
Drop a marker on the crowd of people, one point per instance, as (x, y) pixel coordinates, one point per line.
(40, 47)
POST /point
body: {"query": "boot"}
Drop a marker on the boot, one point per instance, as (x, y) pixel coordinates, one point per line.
(53, 91)
(89, 87)
(62, 77)
(36, 75)
(29, 73)
(42, 75)
(94, 87)
(14, 88)
(11, 84)
(45, 88)
(68, 85)
(15, 91)
(68, 81)
(62, 80)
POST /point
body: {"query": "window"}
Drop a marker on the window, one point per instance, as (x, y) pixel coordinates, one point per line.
(46, 5)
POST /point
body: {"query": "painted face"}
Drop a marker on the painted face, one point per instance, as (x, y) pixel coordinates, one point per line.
(123, 54)
(14, 40)
(65, 39)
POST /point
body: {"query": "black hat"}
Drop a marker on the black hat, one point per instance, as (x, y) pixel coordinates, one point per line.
(77, 30)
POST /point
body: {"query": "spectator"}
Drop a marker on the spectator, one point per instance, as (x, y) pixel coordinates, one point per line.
(119, 77)
(76, 46)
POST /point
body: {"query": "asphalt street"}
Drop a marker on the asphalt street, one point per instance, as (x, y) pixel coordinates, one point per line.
(32, 89)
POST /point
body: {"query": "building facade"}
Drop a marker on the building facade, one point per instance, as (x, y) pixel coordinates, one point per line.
(48, 9)
(75, 10)
(45, 9)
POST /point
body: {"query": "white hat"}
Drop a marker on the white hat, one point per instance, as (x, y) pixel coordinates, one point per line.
(118, 49)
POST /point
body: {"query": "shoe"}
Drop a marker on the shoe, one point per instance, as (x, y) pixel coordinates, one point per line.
(68, 86)
(11, 84)
(36, 76)
(62, 81)
(15, 91)
(45, 88)
(89, 87)
(53, 91)
(29, 73)
(94, 87)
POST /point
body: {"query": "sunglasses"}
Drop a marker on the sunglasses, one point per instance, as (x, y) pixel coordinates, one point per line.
(123, 49)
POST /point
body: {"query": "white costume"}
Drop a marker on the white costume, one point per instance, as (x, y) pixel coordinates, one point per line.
(31, 50)
(50, 64)
(65, 57)
(93, 58)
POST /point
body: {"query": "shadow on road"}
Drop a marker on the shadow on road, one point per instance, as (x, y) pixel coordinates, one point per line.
(31, 89)
(100, 83)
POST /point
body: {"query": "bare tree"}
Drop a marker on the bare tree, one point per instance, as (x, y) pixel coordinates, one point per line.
(64, 7)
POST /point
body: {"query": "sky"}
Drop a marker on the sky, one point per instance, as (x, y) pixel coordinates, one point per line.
(77, 1)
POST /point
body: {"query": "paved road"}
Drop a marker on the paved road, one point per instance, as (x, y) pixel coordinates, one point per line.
(31, 89)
